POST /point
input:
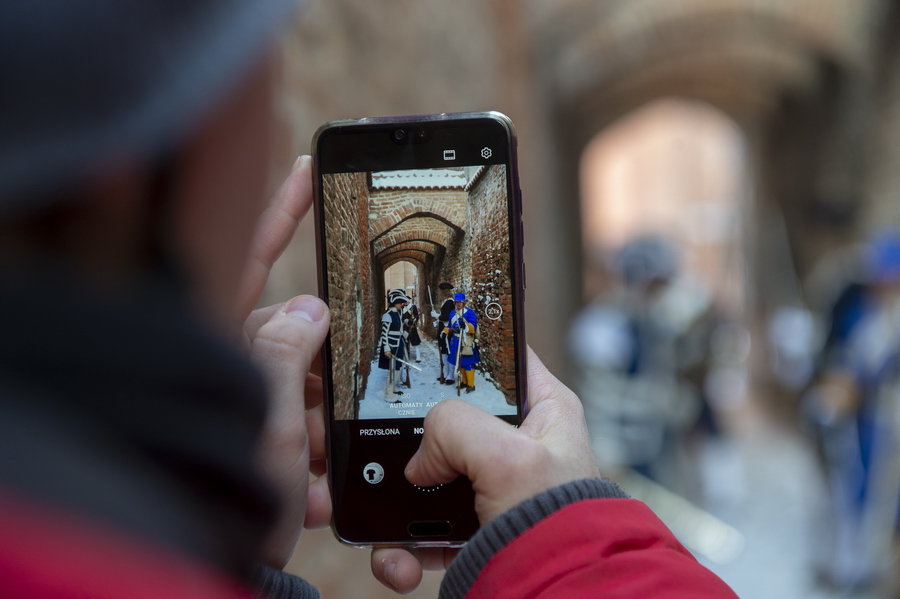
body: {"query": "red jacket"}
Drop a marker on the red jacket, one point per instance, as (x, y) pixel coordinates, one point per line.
(50, 554)
(610, 548)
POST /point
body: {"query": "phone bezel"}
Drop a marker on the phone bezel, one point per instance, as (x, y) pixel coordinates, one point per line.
(357, 127)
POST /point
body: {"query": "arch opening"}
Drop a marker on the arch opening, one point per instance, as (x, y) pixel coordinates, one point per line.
(661, 342)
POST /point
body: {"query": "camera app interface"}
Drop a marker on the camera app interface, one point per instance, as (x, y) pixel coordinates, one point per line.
(420, 290)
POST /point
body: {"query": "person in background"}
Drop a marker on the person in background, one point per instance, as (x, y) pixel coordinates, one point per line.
(630, 344)
(849, 404)
(411, 324)
(462, 332)
(157, 434)
(448, 369)
(392, 344)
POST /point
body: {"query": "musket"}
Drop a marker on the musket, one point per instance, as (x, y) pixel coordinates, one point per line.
(459, 346)
(405, 343)
(439, 331)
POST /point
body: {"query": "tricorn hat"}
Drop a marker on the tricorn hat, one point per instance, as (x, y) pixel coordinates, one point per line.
(397, 295)
(445, 286)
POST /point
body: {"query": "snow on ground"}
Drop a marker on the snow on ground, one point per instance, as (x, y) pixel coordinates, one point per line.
(426, 390)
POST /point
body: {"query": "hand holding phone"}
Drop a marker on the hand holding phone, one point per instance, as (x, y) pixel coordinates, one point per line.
(284, 341)
(506, 465)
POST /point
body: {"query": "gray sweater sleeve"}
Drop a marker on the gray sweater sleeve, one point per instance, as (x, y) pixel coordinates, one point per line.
(504, 529)
(277, 584)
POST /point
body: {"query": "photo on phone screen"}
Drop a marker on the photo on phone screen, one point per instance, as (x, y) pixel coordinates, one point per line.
(419, 282)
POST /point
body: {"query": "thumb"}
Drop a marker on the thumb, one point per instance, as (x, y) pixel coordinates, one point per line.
(284, 349)
(463, 439)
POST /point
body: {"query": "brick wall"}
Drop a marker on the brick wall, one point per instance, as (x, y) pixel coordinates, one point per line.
(349, 288)
(485, 277)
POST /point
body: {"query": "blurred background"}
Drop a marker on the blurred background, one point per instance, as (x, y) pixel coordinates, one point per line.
(710, 189)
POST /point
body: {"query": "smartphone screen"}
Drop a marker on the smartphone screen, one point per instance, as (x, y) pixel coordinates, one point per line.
(419, 236)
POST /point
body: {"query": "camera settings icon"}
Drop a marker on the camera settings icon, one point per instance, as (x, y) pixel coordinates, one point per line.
(486, 153)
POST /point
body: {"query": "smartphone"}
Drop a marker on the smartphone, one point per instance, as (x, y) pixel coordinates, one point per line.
(419, 238)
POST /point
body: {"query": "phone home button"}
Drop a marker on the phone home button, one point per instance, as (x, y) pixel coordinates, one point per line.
(430, 528)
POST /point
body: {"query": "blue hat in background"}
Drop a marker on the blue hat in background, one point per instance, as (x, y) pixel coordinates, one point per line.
(459, 297)
(647, 259)
(883, 257)
(89, 81)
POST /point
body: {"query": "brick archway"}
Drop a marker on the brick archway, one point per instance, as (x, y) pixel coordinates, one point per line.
(428, 247)
(774, 67)
(449, 213)
(392, 258)
(417, 228)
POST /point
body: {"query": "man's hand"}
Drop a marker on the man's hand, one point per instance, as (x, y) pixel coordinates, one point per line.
(284, 341)
(293, 440)
(506, 465)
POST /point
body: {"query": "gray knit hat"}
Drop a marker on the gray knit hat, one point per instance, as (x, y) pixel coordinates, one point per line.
(83, 81)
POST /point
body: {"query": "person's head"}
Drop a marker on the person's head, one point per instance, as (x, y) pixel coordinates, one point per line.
(447, 288)
(397, 299)
(459, 299)
(882, 262)
(135, 140)
(647, 264)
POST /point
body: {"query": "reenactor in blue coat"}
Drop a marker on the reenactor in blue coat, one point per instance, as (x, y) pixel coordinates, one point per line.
(462, 331)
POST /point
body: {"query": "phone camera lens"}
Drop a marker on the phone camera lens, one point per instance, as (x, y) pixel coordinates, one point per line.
(399, 134)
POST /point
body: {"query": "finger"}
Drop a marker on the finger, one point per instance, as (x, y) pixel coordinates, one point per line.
(318, 509)
(315, 431)
(276, 227)
(312, 390)
(556, 419)
(258, 318)
(499, 459)
(435, 558)
(397, 569)
(284, 348)
(456, 437)
(316, 367)
(542, 385)
(318, 467)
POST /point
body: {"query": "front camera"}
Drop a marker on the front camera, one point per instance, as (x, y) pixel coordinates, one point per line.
(399, 134)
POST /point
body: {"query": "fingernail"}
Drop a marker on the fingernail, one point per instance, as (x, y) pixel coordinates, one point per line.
(306, 307)
(302, 160)
(411, 465)
(390, 573)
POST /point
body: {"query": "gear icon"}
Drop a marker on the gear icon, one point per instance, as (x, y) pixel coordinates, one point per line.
(486, 153)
